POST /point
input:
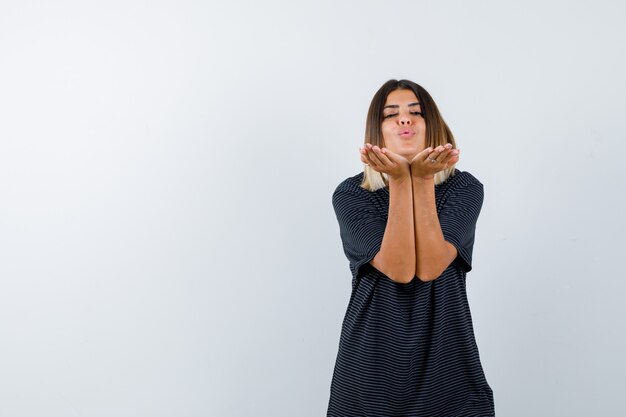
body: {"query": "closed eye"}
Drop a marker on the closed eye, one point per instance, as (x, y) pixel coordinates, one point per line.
(417, 113)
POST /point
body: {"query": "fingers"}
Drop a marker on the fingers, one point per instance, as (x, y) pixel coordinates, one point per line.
(427, 162)
(430, 161)
(367, 157)
(364, 158)
(423, 155)
(393, 158)
(370, 156)
(452, 158)
(444, 155)
(378, 156)
(374, 156)
(385, 161)
(439, 153)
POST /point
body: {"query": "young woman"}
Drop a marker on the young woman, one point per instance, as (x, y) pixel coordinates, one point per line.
(407, 223)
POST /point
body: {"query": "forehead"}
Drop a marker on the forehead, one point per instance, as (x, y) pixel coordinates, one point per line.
(400, 97)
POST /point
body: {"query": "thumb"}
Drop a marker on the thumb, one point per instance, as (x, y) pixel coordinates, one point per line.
(394, 157)
(423, 154)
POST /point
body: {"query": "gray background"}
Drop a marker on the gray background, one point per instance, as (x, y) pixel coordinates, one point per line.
(167, 240)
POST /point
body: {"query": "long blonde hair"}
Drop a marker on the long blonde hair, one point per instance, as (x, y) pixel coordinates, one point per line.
(437, 131)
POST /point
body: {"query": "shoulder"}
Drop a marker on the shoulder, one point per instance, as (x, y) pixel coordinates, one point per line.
(349, 193)
(461, 188)
(460, 180)
(351, 183)
(351, 186)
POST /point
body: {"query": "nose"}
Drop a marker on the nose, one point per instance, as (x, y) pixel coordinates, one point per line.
(404, 120)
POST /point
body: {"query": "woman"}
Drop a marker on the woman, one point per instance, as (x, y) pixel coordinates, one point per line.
(407, 345)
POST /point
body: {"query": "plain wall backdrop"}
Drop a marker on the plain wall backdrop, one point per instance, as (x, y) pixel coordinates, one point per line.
(168, 245)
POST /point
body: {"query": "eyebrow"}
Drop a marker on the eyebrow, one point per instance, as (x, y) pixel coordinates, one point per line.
(395, 106)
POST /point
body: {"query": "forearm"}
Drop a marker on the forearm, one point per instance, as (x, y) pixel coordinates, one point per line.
(396, 258)
(432, 252)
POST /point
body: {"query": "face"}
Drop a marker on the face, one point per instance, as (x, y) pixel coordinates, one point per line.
(403, 127)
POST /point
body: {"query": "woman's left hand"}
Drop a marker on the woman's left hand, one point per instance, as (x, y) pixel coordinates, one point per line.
(430, 161)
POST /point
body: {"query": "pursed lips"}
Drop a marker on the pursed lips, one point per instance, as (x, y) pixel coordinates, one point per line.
(406, 133)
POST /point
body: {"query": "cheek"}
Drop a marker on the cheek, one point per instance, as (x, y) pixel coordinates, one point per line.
(421, 125)
(387, 134)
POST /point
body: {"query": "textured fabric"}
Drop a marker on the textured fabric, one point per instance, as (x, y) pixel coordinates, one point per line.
(408, 349)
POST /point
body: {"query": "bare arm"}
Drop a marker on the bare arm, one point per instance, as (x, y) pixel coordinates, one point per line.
(433, 253)
(396, 258)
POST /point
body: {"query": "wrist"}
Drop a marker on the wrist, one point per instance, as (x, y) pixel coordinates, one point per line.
(425, 179)
(400, 179)
(422, 176)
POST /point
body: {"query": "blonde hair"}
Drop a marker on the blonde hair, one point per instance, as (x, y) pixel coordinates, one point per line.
(437, 131)
(374, 180)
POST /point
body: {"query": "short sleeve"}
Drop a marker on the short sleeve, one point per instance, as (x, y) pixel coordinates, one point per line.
(458, 218)
(361, 226)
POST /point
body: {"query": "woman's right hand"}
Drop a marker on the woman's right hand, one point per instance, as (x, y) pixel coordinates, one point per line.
(383, 160)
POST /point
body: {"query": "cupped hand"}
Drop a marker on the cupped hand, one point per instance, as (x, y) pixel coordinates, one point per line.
(384, 160)
(430, 161)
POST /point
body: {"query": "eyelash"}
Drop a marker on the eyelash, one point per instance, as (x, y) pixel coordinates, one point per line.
(395, 114)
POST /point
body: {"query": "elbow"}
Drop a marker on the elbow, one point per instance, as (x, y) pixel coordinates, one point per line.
(402, 278)
(405, 280)
(426, 276)
(430, 272)
(402, 273)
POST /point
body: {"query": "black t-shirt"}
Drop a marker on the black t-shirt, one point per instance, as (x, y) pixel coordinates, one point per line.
(408, 349)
